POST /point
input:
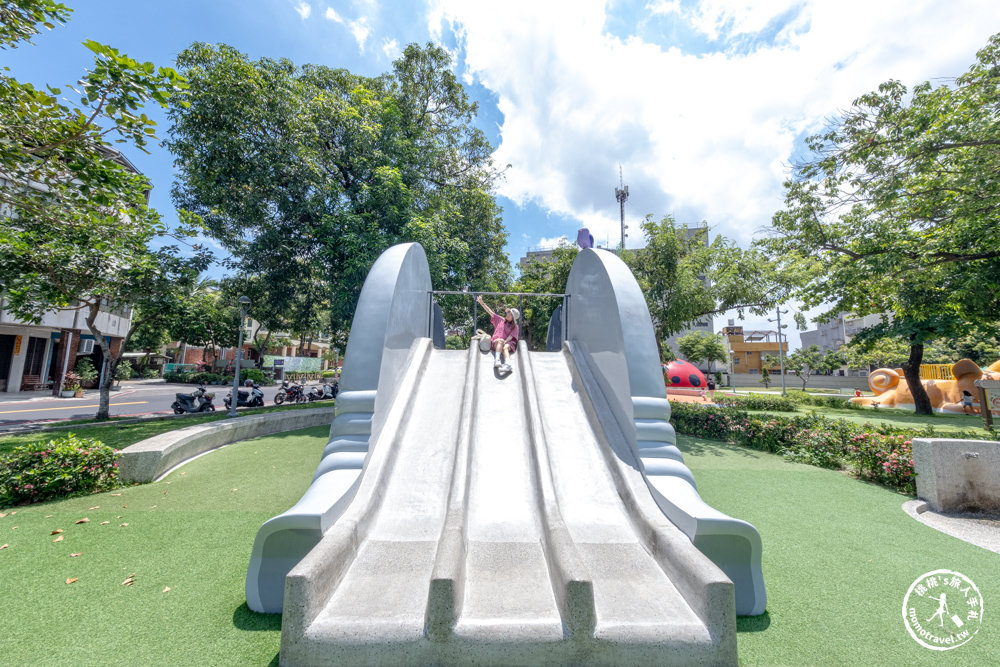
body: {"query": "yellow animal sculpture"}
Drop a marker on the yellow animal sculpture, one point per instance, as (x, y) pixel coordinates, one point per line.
(946, 395)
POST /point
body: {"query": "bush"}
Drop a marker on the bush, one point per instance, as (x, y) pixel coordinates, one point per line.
(254, 374)
(880, 454)
(803, 398)
(757, 402)
(329, 374)
(177, 376)
(85, 369)
(151, 373)
(124, 371)
(54, 469)
(206, 378)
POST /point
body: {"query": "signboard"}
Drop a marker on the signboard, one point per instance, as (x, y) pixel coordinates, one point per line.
(989, 400)
(17, 346)
(294, 364)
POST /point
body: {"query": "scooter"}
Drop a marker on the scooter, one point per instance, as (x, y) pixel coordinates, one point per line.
(246, 399)
(293, 393)
(324, 392)
(187, 402)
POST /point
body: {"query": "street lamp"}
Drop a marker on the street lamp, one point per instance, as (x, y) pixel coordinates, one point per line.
(781, 352)
(244, 301)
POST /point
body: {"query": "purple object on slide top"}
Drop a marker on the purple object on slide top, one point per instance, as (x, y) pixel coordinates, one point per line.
(584, 238)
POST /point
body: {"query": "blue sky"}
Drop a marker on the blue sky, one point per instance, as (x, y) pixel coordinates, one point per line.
(703, 104)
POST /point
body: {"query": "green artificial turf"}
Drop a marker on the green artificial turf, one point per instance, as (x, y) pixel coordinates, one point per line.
(119, 436)
(191, 532)
(839, 555)
(902, 418)
(838, 558)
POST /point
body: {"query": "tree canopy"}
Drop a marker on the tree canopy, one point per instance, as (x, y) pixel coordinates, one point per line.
(700, 345)
(897, 210)
(76, 227)
(307, 173)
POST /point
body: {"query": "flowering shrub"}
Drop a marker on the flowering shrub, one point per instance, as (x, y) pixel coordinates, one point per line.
(45, 470)
(879, 453)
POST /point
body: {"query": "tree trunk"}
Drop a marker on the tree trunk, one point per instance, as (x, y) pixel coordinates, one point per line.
(110, 365)
(911, 371)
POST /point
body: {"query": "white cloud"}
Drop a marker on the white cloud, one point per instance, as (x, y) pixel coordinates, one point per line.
(553, 242)
(702, 135)
(664, 7)
(359, 28)
(304, 9)
(390, 48)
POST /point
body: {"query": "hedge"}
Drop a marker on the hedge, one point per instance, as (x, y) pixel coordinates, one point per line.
(878, 453)
(55, 469)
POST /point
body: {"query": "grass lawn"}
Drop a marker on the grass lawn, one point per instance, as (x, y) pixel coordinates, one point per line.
(119, 436)
(191, 532)
(839, 555)
(902, 418)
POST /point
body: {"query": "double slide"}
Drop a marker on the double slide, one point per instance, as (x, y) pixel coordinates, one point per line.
(461, 516)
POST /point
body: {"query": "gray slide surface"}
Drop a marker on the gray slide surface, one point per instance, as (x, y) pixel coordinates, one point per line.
(546, 516)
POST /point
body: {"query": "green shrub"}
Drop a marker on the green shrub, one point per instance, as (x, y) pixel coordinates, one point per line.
(329, 374)
(756, 402)
(879, 453)
(204, 377)
(151, 373)
(254, 374)
(85, 369)
(177, 376)
(55, 469)
(803, 398)
(124, 371)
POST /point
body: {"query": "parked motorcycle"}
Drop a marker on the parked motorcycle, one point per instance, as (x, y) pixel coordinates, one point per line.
(254, 398)
(293, 393)
(324, 392)
(199, 400)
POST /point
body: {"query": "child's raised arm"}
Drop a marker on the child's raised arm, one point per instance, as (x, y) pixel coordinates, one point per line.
(482, 303)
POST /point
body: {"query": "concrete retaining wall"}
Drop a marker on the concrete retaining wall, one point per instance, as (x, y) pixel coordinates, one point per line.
(149, 459)
(958, 475)
(815, 381)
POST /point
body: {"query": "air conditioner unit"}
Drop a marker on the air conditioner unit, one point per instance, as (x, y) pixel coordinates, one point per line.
(86, 346)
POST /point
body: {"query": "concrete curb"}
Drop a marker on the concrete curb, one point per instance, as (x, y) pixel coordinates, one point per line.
(150, 459)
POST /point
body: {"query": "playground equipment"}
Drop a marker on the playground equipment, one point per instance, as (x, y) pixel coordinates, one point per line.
(680, 373)
(546, 516)
(891, 389)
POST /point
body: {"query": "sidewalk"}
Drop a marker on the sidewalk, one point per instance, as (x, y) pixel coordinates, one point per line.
(46, 394)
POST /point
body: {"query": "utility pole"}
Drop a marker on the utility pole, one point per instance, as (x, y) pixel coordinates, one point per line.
(621, 194)
(781, 350)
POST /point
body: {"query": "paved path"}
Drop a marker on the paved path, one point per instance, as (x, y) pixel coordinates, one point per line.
(131, 400)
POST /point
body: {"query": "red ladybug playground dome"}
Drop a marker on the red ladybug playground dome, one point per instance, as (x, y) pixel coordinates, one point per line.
(684, 374)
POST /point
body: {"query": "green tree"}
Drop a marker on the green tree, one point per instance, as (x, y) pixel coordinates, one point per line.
(316, 171)
(876, 352)
(698, 346)
(685, 277)
(544, 276)
(76, 227)
(803, 362)
(980, 344)
(896, 211)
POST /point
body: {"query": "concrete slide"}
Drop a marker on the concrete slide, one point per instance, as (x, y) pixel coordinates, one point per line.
(461, 516)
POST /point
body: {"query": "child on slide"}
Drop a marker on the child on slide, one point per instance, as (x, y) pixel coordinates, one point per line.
(505, 333)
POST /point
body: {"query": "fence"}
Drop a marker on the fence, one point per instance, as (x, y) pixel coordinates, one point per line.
(935, 372)
(521, 296)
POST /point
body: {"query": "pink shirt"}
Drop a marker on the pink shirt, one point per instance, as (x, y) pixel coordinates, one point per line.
(501, 330)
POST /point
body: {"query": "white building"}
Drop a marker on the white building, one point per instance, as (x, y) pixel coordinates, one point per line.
(832, 335)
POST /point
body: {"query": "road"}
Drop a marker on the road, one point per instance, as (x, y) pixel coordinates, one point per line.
(131, 400)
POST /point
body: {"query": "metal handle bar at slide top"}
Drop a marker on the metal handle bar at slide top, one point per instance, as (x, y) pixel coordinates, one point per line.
(431, 294)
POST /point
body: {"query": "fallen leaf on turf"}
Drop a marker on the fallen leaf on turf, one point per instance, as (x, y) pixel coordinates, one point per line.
(166, 589)
(13, 513)
(116, 494)
(153, 507)
(83, 520)
(71, 580)
(123, 525)
(2, 514)
(235, 489)
(49, 516)
(183, 473)
(56, 531)
(4, 546)
(60, 538)
(124, 507)
(104, 523)
(129, 580)
(78, 553)
(13, 528)
(96, 507)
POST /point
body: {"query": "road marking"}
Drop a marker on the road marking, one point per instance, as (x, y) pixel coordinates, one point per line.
(72, 407)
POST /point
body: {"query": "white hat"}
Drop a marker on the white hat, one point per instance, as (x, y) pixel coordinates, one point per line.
(516, 313)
